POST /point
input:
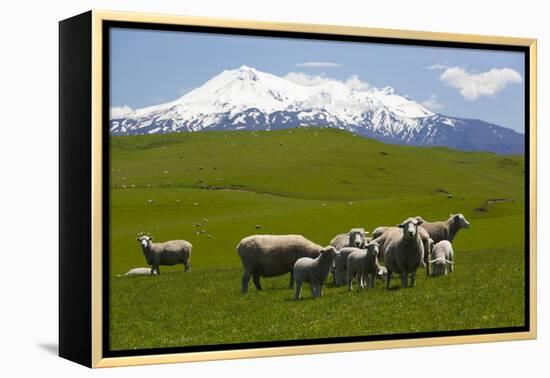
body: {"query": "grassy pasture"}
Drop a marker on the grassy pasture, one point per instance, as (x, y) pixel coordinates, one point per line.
(317, 183)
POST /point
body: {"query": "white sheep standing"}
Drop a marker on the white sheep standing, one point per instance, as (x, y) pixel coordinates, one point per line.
(443, 258)
(168, 253)
(315, 271)
(404, 251)
(272, 255)
(363, 264)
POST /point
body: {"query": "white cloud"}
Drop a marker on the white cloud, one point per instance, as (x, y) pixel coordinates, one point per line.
(353, 82)
(474, 85)
(305, 79)
(431, 103)
(119, 111)
(437, 66)
(318, 64)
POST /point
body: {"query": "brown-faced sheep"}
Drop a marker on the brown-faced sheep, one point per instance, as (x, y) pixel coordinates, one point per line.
(272, 255)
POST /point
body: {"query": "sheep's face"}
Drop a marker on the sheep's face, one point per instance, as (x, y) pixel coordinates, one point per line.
(461, 221)
(439, 267)
(357, 237)
(410, 227)
(145, 241)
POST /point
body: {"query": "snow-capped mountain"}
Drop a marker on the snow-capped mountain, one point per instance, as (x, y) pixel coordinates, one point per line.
(247, 99)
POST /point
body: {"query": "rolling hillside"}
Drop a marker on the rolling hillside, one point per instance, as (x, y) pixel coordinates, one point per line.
(213, 188)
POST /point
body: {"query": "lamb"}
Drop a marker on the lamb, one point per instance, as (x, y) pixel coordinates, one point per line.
(445, 230)
(443, 258)
(404, 251)
(272, 255)
(363, 263)
(315, 271)
(168, 253)
(138, 272)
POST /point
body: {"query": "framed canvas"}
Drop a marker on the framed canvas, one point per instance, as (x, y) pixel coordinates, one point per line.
(234, 189)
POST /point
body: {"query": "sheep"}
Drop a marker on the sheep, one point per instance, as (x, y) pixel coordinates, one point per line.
(443, 258)
(378, 231)
(445, 230)
(272, 255)
(168, 253)
(315, 271)
(404, 251)
(381, 234)
(340, 265)
(354, 238)
(363, 263)
(138, 272)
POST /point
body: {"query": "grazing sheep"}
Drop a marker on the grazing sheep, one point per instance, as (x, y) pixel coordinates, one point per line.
(445, 230)
(315, 271)
(363, 263)
(404, 251)
(138, 272)
(443, 258)
(272, 255)
(168, 253)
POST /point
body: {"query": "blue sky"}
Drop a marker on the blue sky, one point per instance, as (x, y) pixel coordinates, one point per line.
(152, 67)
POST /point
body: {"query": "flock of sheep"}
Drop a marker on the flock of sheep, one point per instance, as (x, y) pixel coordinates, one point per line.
(350, 256)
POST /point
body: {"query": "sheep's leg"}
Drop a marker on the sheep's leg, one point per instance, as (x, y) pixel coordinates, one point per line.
(155, 269)
(256, 279)
(362, 281)
(403, 280)
(291, 284)
(388, 279)
(313, 288)
(350, 281)
(372, 278)
(413, 279)
(298, 291)
(321, 290)
(187, 266)
(245, 280)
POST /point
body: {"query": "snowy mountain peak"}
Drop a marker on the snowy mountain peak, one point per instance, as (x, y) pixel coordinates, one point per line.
(247, 99)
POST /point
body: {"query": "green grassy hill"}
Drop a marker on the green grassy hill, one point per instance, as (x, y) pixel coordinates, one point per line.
(315, 182)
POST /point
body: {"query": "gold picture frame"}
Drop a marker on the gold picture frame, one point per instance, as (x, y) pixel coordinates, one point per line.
(91, 26)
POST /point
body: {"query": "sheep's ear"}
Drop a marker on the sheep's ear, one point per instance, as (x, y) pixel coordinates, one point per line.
(137, 239)
(150, 238)
(419, 221)
(401, 225)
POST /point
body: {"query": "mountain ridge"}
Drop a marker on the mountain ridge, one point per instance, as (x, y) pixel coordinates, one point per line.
(248, 99)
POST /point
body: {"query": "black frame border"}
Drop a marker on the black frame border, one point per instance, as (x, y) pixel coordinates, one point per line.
(106, 27)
